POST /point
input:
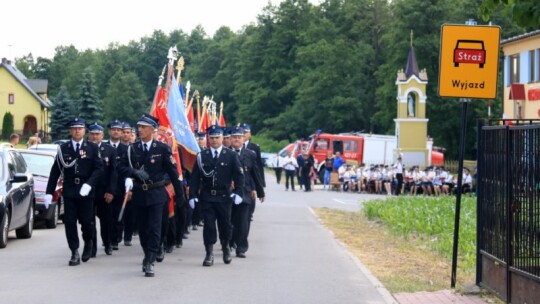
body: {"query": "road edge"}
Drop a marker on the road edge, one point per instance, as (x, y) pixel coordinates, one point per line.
(386, 295)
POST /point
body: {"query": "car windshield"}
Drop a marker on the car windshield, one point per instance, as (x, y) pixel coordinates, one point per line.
(38, 164)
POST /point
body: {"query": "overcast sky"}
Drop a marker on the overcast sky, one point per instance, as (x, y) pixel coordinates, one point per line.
(39, 26)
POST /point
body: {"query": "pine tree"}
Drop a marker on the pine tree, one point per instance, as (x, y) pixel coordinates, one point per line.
(60, 115)
(89, 105)
(7, 125)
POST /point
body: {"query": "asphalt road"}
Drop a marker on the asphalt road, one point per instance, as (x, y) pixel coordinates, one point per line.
(292, 259)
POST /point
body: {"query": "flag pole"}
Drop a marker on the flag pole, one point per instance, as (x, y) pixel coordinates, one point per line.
(179, 68)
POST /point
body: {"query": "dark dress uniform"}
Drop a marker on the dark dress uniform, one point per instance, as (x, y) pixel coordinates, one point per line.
(241, 212)
(148, 169)
(106, 184)
(77, 169)
(120, 191)
(255, 148)
(211, 184)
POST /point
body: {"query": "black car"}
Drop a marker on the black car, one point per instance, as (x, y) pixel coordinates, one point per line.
(16, 196)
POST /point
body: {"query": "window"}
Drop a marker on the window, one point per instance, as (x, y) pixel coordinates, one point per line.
(514, 69)
(351, 146)
(532, 65)
(321, 144)
(11, 98)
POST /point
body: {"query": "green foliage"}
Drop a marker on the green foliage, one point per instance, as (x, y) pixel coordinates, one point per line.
(125, 99)
(524, 13)
(268, 144)
(300, 68)
(7, 125)
(61, 114)
(430, 220)
(88, 102)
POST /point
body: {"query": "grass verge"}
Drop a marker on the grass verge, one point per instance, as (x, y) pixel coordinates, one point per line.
(406, 242)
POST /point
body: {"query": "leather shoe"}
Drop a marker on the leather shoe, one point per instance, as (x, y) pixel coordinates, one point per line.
(87, 251)
(240, 255)
(209, 258)
(127, 243)
(194, 227)
(108, 250)
(160, 255)
(226, 254)
(149, 270)
(169, 249)
(114, 246)
(179, 243)
(75, 258)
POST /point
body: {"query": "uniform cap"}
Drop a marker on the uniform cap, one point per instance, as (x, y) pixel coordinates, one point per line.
(237, 131)
(226, 132)
(115, 124)
(214, 131)
(200, 135)
(95, 128)
(76, 123)
(148, 120)
(125, 125)
(246, 127)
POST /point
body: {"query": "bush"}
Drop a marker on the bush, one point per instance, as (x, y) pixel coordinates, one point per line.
(7, 126)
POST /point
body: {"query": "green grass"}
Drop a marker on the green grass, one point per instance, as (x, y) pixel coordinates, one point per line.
(430, 221)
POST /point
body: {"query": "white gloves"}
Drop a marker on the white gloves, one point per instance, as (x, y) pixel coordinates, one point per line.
(85, 189)
(47, 200)
(237, 199)
(192, 202)
(129, 184)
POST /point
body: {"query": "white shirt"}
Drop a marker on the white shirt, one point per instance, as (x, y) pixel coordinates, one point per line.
(75, 144)
(399, 168)
(214, 151)
(148, 145)
(289, 163)
(115, 144)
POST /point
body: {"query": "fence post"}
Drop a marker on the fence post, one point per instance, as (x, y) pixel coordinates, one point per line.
(479, 198)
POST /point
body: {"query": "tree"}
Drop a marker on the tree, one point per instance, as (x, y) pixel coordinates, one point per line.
(60, 114)
(26, 65)
(125, 99)
(7, 126)
(524, 13)
(89, 105)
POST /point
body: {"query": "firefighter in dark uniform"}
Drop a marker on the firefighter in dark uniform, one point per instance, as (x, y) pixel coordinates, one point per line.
(252, 189)
(78, 162)
(115, 140)
(255, 148)
(196, 214)
(210, 186)
(129, 221)
(147, 161)
(227, 137)
(105, 189)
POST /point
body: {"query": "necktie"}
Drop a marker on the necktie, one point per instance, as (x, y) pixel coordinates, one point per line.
(114, 145)
(77, 148)
(238, 151)
(215, 155)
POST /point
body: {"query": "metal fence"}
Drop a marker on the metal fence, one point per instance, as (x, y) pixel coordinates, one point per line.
(509, 184)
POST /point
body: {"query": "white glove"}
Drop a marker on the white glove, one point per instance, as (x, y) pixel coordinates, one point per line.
(192, 202)
(47, 200)
(85, 189)
(129, 184)
(237, 199)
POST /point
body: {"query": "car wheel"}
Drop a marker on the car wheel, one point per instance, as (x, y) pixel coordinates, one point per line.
(4, 227)
(51, 223)
(26, 231)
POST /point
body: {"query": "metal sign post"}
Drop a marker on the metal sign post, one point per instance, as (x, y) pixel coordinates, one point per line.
(468, 66)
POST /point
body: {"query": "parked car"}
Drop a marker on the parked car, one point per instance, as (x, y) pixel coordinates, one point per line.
(16, 195)
(44, 147)
(40, 163)
(60, 141)
(265, 156)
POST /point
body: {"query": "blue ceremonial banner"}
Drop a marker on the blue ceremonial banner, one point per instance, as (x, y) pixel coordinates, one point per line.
(179, 122)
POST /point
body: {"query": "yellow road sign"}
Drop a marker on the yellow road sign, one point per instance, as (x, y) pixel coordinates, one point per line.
(469, 61)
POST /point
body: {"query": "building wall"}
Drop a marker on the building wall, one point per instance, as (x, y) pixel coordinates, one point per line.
(530, 107)
(25, 103)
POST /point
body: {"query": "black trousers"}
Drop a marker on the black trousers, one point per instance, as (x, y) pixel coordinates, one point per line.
(220, 212)
(150, 220)
(241, 225)
(278, 174)
(104, 212)
(118, 227)
(306, 180)
(82, 210)
(197, 215)
(399, 177)
(130, 222)
(289, 175)
(164, 224)
(180, 219)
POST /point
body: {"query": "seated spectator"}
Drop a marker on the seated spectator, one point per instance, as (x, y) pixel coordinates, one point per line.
(361, 178)
(437, 182)
(417, 177)
(448, 184)
(427, 181)
(349, 178)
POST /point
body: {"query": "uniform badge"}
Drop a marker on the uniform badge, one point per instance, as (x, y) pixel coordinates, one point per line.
(154, 145)
(102, 148)
(152, 161)
(82, 153)
(106, 161)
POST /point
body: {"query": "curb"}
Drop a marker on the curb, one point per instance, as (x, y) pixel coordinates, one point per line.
(386, 295)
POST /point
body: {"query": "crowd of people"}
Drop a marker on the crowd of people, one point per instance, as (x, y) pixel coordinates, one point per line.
(134, 186)
(392, 179)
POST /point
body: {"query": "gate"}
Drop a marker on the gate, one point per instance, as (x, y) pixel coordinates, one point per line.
(508, 228)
